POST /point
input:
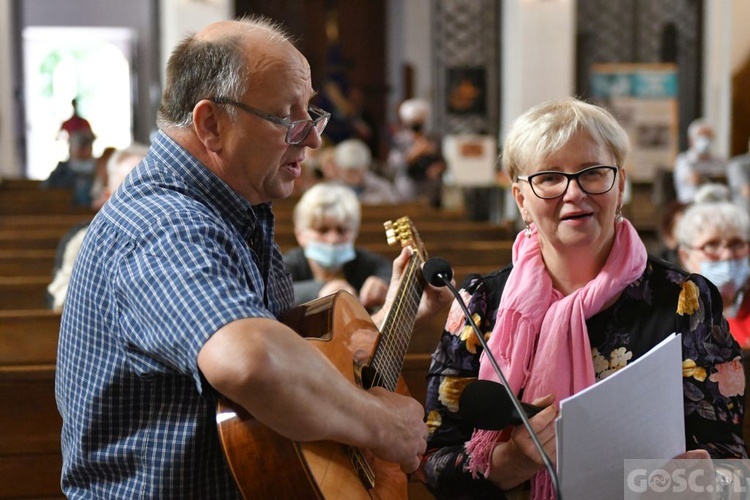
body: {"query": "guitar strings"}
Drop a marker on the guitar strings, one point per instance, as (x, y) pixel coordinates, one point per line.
(388, 359)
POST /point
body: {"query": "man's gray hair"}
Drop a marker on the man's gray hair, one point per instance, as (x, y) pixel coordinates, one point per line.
(209, 68)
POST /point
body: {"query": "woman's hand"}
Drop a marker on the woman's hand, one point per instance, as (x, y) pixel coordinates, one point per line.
(517, 460)
(335, 285)
(373, 292)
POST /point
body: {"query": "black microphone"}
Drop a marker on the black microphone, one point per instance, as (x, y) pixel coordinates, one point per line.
(438, 272)
(486, 405)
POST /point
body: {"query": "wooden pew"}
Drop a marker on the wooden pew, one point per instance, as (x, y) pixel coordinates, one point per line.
(27, 263)
(43, 221)
(30, 456)
(41, 202)
(28, 337)
(23, 292)
(19, 184)
(31, 238)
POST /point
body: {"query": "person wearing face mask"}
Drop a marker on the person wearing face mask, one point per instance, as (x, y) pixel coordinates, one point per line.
(713, 241)
(698, 164)
(78, 171)
(326, 223)
(415, 158)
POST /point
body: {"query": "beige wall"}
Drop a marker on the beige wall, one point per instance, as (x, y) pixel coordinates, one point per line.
(8, 156)
(538, 55)
(740, 33)
(179, 18)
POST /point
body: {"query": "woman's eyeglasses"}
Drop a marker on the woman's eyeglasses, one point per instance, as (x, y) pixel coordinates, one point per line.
(713, 248)
(296, 131)
(548, 185)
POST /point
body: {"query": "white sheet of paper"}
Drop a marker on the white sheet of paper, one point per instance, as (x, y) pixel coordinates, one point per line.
(635, 413)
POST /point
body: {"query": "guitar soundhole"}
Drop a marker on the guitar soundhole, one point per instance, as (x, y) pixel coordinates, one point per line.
(368, 377)
(364, 471)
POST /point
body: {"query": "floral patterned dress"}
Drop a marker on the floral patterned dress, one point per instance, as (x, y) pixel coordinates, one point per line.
(662, 301)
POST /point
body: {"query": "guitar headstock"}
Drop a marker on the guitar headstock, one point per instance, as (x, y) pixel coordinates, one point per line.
(403, 231)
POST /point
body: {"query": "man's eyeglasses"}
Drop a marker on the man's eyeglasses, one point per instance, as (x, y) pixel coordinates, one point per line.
(296, 131)
(548, 185)
(713, 248)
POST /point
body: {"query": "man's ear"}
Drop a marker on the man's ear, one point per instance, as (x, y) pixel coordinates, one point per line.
(208, 125)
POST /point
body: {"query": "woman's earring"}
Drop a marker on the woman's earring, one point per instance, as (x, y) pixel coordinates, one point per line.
(527, 231)
(618, 215)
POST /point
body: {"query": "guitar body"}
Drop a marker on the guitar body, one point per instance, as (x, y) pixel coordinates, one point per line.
(268, 465)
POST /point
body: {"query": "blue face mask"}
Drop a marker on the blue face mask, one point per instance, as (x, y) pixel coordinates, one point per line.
(330, 256)
(721, 273)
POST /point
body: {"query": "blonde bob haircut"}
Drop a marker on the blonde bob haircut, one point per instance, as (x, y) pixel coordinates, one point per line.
(330, 203)
(546, 128)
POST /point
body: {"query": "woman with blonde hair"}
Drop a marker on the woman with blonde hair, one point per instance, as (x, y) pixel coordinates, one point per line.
(581, 300)
(326, 224)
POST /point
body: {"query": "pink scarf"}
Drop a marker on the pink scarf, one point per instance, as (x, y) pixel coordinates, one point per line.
(540, 338)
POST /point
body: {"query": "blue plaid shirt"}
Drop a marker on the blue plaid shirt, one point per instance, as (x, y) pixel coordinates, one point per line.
(171, 258)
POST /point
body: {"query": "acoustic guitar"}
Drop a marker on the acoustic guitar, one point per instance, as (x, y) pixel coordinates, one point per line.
(268, 465)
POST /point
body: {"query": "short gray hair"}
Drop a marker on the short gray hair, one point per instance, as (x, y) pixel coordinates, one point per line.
(696, 126)
(723, 215)
(200, 69)
(328, 201)
(352, 154)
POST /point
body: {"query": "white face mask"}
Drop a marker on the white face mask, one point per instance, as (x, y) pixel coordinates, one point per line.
(728, 275)
(702, 144)
(330, 256)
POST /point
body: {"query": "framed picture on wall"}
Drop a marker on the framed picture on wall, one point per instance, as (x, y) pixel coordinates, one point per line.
(643, 98)
(467, 91)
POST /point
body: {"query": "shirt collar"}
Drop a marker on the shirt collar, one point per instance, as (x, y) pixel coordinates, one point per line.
(209, 186)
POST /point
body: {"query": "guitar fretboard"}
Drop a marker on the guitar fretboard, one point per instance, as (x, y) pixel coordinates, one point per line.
(388, 359)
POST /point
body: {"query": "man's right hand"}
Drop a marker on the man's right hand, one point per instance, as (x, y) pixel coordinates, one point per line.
(403, 437)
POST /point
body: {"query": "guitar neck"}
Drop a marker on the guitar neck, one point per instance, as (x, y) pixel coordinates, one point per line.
(395, 335)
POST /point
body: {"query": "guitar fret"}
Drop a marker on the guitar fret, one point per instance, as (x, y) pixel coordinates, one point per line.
(397, 328)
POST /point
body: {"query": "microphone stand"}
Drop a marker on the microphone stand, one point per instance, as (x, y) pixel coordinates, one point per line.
(516, 403)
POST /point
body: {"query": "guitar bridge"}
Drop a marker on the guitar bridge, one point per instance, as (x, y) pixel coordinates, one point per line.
(362, 466)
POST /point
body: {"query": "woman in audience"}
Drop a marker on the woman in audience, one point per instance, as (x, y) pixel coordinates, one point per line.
(580, 300)
(415, 158)
(326, 224)
(713, 241)
(668, 232)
